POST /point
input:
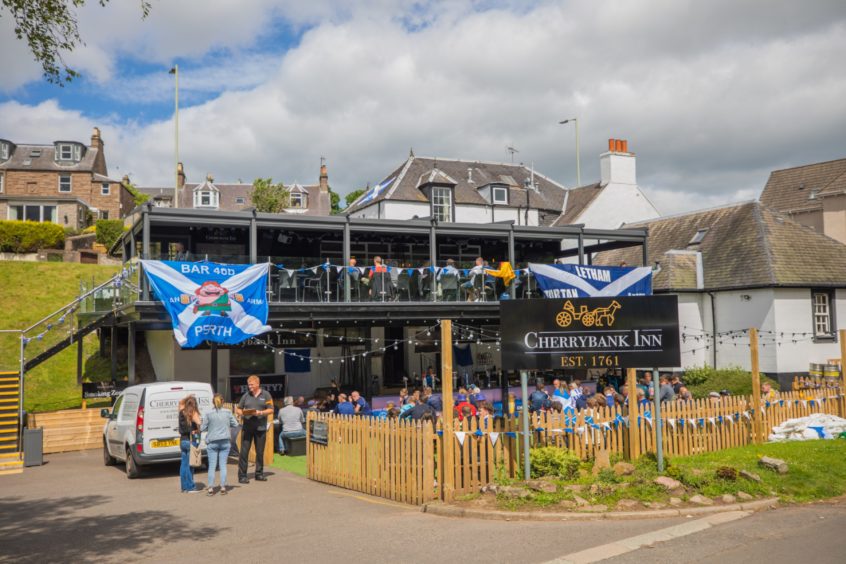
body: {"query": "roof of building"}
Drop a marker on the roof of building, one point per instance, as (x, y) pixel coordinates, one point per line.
(743, 245)
(799, 188)
(577, 200)
(404, 183)
(43, 158)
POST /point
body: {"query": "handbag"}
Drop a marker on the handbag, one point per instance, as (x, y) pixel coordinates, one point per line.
(196, 457)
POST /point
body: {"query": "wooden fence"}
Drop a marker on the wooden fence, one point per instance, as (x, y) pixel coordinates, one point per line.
(69, 429)
(404, 461)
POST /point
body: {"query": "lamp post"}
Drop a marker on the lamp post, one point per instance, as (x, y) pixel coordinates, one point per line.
(175, 72)
(578, 160)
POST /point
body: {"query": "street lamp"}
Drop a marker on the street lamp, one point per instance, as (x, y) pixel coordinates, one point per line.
(578, 161)
(175, 72)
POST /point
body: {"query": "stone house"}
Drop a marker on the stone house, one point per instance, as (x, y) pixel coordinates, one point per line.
(65, 183)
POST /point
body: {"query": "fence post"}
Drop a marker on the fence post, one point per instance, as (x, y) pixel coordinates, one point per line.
(525, 427)
(659, 430)
(448, 442)
(634, 435)
(842, 394)
(757, 421)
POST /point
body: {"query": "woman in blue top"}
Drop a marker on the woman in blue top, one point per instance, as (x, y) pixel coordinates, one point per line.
(217, 423)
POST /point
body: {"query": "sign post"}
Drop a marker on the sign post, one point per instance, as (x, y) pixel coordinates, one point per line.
(524, 417)
(757, 420)
(659, 430)
(446, 385)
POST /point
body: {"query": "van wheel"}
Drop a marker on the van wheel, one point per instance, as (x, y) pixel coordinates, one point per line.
(108, 459)
(132, 470)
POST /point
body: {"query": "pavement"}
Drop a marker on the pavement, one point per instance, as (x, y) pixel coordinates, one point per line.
(74, 509)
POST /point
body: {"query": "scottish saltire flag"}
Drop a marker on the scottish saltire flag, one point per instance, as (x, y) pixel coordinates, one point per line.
(374, 192)
(581, 281)
(209, 301)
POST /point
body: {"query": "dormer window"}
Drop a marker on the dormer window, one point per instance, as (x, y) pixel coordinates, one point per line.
(68, 152)
(4, 151)
(298, 200)
(499, 194)
(442, 203)
(206, 196)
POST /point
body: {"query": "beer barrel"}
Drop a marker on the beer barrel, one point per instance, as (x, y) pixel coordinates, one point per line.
(816, 370)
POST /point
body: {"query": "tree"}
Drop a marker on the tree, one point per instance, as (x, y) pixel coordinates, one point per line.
(353, 196)
(269, 197)
(50, 28)
(336, 202)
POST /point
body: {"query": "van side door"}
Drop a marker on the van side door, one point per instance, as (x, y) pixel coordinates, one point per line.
(113, 433)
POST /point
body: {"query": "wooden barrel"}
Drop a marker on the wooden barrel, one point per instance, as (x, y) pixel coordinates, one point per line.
(816, 370)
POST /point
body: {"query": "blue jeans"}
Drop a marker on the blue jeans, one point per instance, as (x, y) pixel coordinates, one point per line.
(218, 451)
(186, 473)
(289, 435)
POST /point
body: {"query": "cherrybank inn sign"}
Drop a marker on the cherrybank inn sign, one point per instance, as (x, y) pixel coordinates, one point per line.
(583, 333)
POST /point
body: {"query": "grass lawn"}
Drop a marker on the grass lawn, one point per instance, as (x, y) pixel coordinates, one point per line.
(817, 470)
(293, 464)
(32, 290)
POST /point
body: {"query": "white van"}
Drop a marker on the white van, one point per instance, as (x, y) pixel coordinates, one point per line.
(143, 424)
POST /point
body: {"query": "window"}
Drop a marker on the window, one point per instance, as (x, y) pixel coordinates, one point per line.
(700, 234)
(4, 151)
(823, 305)
(64, 183)
(206, 199)
(104, 214)
(2, 179)
(500, 194)
(298, 200)
(32, 212)
(67, 152)
(105, 189)
(240, 201)
(442, 203)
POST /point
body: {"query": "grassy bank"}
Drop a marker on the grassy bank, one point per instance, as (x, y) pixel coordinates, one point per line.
(32, 290)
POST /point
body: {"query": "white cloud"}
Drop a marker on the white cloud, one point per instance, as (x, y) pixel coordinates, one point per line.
(711, 96)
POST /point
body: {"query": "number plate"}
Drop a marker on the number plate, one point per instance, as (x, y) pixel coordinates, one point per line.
(164, 443)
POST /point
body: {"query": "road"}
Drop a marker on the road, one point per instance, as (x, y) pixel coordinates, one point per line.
(74, 509)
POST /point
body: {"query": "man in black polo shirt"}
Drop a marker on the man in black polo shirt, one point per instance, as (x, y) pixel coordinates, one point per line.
(254, 408)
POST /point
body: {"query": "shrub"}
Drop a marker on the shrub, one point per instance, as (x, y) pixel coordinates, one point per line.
(108, 231)
(703, 379)
(90, 229)
(554, 462)
(29, 236)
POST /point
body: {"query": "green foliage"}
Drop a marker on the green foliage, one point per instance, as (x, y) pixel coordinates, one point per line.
(268, 197)
(554, 462)
(336, 202)
(353, 196)
(137, 196)
(71, 232)
(29, 236)
(50, 29)
(108, 231)
(703, 379)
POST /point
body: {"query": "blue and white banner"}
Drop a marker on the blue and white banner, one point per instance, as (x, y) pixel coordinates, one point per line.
(209, 301)
(580, 281)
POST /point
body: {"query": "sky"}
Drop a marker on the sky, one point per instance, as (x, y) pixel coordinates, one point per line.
(711, 96)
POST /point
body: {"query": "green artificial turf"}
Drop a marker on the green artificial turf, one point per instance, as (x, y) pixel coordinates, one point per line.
(293, 464)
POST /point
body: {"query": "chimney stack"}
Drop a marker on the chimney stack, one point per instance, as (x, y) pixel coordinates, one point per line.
(96, 140)
(324, 176)
(180, 174)
(617, 166)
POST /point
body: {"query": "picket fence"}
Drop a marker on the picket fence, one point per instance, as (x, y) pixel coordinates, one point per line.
(404, 460)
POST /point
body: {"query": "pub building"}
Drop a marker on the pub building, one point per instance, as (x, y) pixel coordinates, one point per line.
(323, 316)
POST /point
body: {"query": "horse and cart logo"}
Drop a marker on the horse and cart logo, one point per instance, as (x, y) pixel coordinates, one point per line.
(589, 317)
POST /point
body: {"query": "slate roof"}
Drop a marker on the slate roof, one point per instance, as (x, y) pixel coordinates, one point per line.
(577, 200)
(790, 189)
(468, 176)
(22, 158)
(747, 245)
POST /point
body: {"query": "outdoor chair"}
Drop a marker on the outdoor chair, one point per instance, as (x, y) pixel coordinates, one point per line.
(285, 292)
(404, 286)
(449, 287)
(354, 276)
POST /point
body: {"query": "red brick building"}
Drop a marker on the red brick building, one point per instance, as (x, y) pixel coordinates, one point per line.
(66, 183)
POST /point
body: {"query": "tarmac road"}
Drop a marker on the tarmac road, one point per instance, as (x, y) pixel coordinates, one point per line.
(74, 509)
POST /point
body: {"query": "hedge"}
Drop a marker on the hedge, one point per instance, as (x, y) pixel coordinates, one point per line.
(108, 231)
(30, 236)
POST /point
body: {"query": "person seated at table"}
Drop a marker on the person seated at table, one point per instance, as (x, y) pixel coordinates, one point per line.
(538, 399)
(435, 402)
(417, 411)
(359, 404)
(380, 281)
(475, 285)
(476, 396)
(461, 402)
(292, 420)
(344, 407)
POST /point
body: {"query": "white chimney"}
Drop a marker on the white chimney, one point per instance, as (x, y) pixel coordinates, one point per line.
(617, 166)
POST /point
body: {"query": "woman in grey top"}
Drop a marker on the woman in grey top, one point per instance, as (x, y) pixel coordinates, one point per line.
(217, 423)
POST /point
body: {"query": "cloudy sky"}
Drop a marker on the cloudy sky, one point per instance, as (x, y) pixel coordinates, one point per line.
(711, 95)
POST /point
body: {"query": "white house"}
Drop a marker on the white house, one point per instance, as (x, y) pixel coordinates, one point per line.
(460, 191)
(744, 265)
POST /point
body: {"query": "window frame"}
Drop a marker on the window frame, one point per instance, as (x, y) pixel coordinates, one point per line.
(831, 335)
(2, 182)
(213, 199)
(4, 151)
(297, 201)
(70, 183)
(240, 201)
(41, 212)
(105, 189)
(494, 189)
(437, 193)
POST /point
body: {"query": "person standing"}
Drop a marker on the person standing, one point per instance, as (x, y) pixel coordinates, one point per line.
(216, 424)
(254, 407)
(189, 425)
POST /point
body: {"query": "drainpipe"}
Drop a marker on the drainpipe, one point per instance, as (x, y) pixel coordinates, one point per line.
(713, 327)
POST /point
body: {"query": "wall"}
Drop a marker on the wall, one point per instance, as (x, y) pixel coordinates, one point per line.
(615, 205)
(812, 219)
(160, 344)
(834, 217)
(463, 213)
(794, 315)
(694, 321)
